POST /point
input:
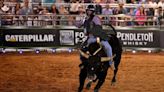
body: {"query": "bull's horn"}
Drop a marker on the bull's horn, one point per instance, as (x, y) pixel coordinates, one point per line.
(98, 50)
(84, 54)
(104, 59)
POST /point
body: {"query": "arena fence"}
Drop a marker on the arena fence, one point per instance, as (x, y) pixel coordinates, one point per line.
(134, 38)
(49, 19)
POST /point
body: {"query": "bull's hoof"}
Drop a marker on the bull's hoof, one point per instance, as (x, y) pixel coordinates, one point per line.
(96, 90)
(113, 83)
(88, 86)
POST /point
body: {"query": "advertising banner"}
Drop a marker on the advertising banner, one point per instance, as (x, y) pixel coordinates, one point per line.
(30, 38)
(139, 38)
(66, 37)
(74, 37)
(162, 39)
(1, 38)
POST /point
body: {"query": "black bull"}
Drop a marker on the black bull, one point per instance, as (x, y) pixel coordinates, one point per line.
(101, 75)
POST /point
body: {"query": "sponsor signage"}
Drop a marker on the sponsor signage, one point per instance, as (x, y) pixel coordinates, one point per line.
(66, 37)
(30, 38)
(139, 38)
(79, 36)
(74, 37)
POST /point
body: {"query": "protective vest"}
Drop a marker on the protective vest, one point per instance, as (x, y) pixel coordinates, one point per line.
(88, 24)
(95, 30)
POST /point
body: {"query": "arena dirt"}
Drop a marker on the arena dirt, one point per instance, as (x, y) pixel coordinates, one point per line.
(47, 72)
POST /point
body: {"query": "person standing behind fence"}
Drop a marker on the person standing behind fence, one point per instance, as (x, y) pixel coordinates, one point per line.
(98, 8)
(107, 11)
(158, 15)
(6, 17)
(25, 10)
(140, 16)
(17, 12)
(74, 6)
(63, 19)
(121, 11)
(54, 12)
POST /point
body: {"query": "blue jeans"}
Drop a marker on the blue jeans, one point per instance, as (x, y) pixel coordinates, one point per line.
(107, 47)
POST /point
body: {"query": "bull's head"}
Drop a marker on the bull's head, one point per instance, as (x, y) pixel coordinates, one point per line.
(94, 60)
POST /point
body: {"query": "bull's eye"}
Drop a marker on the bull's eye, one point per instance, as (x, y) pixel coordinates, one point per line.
(92, 68)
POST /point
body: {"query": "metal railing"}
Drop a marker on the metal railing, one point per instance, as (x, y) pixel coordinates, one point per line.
(112, 5)
(69, 20)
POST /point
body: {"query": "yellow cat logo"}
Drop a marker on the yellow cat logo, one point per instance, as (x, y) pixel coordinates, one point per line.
(12, 40)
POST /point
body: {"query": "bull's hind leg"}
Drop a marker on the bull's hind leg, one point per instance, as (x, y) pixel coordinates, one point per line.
(82, 78)
(117, 60)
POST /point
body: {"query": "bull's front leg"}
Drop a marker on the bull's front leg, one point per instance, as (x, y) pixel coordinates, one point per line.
(100, 81)
(82, 77)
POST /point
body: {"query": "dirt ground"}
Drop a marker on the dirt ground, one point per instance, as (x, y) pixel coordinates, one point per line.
(58, 72)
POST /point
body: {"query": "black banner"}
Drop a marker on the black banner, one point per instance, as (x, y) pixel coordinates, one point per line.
(1, 38)
(139, 38)
(162, 38)
(30, 38)
(74, 37)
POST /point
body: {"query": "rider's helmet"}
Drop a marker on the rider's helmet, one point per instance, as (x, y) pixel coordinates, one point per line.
(90, 8)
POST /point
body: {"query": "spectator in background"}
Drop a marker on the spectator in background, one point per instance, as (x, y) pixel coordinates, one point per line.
(152, 4)
(161, 4)
(74, 6)
(158, 15)
(36, 21)
(54, 9)
(63, 19)
(141, 16)
(54, 12)
(110, 1)
(150, 14)
(1, 5)
(130, 17)
(40, 7)
(107, 11)
(121, 11)
(17, 8)
(26, 10)
(58, 3)
(121, 1)
(6, 17)
(63, 10)
(98, 8)
(17, 12)
(81, 13)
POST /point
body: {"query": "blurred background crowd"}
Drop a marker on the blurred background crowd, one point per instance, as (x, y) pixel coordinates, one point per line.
(65, 12)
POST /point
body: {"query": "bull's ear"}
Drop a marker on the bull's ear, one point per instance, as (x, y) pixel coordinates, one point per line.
(84, 54)
(104, 59)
